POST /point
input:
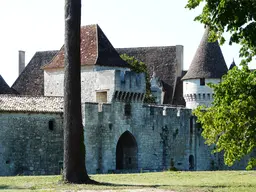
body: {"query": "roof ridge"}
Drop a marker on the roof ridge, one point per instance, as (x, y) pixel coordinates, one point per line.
(153, 47)
(96, 49)
(97, 44)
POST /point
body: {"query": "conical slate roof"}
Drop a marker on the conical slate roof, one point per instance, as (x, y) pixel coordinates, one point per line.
(4, 87)
(233, 64)
(96, 49)
(208, 61)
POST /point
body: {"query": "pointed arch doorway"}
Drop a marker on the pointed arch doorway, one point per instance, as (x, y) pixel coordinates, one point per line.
(126, 152)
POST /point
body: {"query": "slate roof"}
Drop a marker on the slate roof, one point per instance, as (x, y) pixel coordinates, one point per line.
(233, 64)
(208, 61)
(96, 49)
(31, 80)
(10, 103)
(160, 59)
(4, 87)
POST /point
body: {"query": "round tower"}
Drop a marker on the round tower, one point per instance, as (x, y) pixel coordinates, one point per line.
(208, 66)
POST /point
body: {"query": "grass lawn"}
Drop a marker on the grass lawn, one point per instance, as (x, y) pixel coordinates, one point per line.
(229, 181)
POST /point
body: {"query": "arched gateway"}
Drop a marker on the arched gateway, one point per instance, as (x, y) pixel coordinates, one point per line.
(126, 152)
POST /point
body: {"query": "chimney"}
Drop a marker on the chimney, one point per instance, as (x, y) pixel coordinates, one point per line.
(21, 61)
(179, 59)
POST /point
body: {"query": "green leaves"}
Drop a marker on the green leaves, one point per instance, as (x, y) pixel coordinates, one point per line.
(230, 123)
(140, 67)
(236, 17)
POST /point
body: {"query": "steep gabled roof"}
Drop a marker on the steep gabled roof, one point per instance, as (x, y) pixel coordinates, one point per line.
(4, 87)
(162, 61)
(95, 50)
(31, 80)
(208, 61)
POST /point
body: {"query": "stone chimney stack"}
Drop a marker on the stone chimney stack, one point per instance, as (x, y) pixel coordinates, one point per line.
(179, 59)
(21, 61)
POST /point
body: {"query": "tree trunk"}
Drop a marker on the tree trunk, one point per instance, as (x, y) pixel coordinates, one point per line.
(74, 149)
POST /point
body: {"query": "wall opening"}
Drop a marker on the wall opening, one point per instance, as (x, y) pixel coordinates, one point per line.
(191, 162)
(202, 81)
(127, 109)
(51, 125)
(101, 97)
(126, 152)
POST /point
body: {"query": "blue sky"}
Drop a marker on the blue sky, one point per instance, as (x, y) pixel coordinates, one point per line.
(38, 25)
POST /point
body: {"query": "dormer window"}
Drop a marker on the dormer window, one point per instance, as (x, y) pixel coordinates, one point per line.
(202, 81)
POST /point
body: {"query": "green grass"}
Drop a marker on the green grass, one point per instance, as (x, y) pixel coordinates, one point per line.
(229, 181)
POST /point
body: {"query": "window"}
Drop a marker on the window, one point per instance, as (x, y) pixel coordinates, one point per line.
(127, 109)
(202, 81)
(51, 125)
(101, 97)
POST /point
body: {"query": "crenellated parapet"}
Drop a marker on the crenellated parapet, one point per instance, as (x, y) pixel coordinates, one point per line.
(129, 86)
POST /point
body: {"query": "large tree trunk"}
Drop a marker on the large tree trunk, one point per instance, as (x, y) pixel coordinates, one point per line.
(74, 149)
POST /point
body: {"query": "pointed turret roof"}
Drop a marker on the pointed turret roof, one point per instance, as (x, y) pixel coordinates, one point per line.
(4, 87)
(208, 61)
(233, 64)
(96, 49)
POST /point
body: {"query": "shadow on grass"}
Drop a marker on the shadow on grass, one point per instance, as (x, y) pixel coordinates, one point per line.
(169, 185)
(126, 185)
(9, 187)
(97, 183)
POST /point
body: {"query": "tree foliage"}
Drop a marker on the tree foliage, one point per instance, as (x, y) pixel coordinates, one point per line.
(230, 122)
(140, 67)
(237, 17)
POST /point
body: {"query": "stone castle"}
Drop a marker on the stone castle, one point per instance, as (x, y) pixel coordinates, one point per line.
(122, 134)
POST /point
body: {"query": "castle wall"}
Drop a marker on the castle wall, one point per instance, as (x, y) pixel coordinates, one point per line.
(160, 139)
(28, 146)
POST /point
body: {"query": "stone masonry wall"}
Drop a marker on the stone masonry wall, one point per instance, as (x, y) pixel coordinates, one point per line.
(28, 146)
(160, 139)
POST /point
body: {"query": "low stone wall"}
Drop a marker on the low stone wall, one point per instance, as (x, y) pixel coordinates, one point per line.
(31, 143)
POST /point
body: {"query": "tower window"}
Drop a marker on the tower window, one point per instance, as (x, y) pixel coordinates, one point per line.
(202, 81)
